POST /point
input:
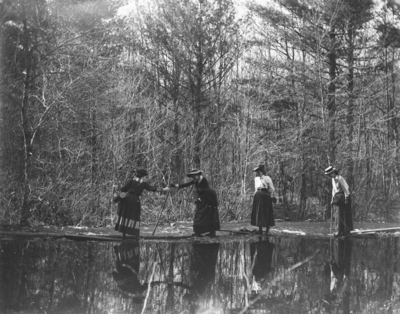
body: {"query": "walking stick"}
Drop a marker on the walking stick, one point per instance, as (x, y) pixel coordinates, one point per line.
(159, 216)
(331, 217)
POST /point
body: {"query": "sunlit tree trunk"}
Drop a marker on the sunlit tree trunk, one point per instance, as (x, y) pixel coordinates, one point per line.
(331, 106)
(26, 129)
(350, 103)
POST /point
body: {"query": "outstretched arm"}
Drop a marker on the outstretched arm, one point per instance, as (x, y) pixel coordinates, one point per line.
(184, 185)
(151, 188)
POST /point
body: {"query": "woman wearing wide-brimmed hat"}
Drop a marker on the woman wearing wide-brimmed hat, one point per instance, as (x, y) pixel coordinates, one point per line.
(262, 214)
(126, 273)
(342, 202)
(206, 217)
(129, 207)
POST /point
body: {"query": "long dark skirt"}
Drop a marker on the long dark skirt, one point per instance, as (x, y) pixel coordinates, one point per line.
(344, 219)
(206, 218)
(261, 253)
(128, 220)
(202, 268)
(262, 214)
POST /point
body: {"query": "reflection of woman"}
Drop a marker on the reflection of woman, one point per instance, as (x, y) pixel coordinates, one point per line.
(202, 270)
(262, 214)
(206, 217)
(339, 275)
(127, 270)
(340, 190)
(129, 207)
(261, 255)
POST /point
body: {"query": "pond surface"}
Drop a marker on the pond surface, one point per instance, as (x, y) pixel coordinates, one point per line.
(262, 275)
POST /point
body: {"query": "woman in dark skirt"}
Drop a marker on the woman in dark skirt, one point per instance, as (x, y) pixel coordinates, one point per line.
(206, 217)
(126, 272)
(340, 188)
(261, 253)
(129, 207)
(262, 214)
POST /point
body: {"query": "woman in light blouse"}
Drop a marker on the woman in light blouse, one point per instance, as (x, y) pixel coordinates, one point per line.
(262, 214)
(343, 217)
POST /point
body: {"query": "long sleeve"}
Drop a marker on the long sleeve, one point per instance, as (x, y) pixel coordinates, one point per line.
(257, 183)
(344, 185)
(126, 187)
(339, 184)
(264, 182)
(149, 187)
(184, 185)
(269, 183)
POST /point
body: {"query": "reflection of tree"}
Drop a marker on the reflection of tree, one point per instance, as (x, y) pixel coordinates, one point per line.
(12, 255)
(339, 290)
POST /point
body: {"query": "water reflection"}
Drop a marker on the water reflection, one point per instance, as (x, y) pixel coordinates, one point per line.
(338, 270)
(127, 264)
(202, 288)
(262, 275)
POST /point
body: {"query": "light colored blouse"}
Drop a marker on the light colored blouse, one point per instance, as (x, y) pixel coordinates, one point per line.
(339, 184)
(264, 182)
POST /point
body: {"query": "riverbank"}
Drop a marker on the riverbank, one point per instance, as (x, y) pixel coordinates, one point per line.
(182, 230)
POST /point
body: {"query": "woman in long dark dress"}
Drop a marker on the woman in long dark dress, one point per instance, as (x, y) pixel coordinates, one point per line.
(126, 272)
(206, 217)
(129, 207)
(261, 253)
(340, 188)
(262, 214)
(203, 261)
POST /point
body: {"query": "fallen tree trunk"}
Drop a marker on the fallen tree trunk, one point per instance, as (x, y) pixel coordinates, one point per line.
(358, 231)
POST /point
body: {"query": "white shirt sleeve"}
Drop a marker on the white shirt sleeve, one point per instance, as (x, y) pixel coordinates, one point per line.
(268, 181)
(344, 185)
(340, 184)
(257, 183)
(264, 182)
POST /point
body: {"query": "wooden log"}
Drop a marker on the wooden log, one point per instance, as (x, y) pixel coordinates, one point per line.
(358, 231)
(112, 238)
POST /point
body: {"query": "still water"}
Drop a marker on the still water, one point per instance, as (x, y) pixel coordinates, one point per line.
(261, 275)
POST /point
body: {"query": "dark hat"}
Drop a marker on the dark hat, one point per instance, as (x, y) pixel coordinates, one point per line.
(141, 173)
(259, 168)
(329, 170)
(194, 172)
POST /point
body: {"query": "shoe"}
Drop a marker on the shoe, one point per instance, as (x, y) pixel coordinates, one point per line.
(211, 234)
(196, 234)
(258, 232)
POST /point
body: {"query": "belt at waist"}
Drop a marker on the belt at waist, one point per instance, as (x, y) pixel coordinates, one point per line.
(262, 189)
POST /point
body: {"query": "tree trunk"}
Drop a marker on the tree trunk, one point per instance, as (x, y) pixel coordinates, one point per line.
(27, 134)
(332, 97)
(350, 106)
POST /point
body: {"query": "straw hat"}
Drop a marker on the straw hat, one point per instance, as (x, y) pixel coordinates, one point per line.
(329, 170)
(194, 172)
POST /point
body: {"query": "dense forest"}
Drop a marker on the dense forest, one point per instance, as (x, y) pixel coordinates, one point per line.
(93, 89)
